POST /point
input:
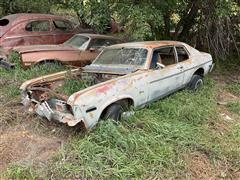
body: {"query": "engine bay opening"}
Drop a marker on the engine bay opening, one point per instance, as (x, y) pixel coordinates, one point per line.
(61, 89)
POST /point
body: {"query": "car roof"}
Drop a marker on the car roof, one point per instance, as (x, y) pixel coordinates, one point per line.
(98, 36)
(16, 18)
(147, 44)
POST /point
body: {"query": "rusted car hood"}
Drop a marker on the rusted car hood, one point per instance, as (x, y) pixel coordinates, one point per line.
(109, 69)
(37, 48)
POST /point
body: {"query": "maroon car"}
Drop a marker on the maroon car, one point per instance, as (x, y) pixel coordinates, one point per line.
(29, 29)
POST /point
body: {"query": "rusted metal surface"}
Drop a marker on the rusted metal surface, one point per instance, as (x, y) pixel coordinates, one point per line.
(80, 50)
(15, 31)
(118, 80)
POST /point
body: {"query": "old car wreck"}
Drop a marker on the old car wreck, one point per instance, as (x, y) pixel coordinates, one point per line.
(79, 50)
(30, 28)
(124, 75)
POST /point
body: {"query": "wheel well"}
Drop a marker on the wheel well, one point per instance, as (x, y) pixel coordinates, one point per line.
(126, 103)
(49, 61)
(200, 72)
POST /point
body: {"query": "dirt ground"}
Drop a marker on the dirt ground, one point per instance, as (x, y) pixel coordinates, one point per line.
(28, 139)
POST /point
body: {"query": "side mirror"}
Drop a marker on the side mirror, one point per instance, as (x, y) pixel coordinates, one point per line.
(160, 66)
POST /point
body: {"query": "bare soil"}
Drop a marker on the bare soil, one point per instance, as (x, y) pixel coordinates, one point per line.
(28, 139)
(199, 166)
(24, 147)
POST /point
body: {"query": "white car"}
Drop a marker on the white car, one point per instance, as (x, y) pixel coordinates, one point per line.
(123, 75)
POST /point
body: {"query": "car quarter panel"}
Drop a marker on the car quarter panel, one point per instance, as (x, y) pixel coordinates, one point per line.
(196, 61)
(68, 57)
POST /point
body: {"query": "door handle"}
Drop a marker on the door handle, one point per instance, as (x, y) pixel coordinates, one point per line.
(180, 67)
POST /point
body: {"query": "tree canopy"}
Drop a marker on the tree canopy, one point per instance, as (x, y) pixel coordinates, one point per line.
(212, 25)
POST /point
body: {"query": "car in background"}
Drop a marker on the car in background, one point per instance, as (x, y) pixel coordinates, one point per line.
(30, 28)
(79, 50)
(122, 76)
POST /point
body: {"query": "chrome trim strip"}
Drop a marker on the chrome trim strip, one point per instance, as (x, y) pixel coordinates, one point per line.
(180, 72)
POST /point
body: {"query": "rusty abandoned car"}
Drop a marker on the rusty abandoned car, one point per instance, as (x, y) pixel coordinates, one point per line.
(123, 75)
(79, 50)
(29, 28)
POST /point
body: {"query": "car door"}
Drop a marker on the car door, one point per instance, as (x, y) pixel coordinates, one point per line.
(164, 80)
(185, 62)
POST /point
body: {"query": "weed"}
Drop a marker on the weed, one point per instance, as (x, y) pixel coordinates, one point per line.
(234, 88)
(234, 107)
(15, 58)
(20, 172)
(71, 86)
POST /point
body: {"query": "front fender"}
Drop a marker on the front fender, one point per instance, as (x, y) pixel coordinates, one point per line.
(92, 118)
(115, 99)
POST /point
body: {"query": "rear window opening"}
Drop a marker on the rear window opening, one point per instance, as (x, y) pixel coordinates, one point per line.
(4, 22)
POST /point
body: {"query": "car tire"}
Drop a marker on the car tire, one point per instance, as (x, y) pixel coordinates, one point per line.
(114, 112)
(196, 83)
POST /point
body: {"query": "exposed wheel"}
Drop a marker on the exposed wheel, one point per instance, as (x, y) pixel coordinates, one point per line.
(196, 82)
(114, 112)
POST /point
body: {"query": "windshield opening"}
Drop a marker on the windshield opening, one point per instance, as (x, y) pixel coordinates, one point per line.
(78, 41)
(122, 56)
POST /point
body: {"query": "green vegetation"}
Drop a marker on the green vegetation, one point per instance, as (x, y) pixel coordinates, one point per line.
(151, 143)
(234, 107)
(154, 143)
(234, 88)
(71, 86)
(12, 79)
(188, 21)
(20, 172)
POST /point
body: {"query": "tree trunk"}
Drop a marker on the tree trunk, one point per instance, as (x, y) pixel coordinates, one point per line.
(188, 20)
(166, 19)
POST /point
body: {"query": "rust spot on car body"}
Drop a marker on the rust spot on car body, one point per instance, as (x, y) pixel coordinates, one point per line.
(103, 89)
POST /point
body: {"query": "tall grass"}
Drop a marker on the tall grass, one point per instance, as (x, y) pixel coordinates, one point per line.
(149, 144)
